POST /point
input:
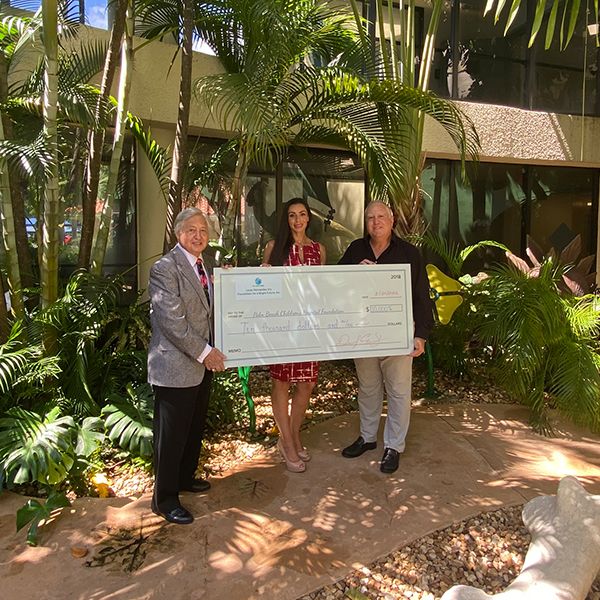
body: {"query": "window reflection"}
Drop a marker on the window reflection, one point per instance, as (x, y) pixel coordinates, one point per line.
(490, 66)
(333, 184)
(493, 204)
(559, 74)
(562, 206)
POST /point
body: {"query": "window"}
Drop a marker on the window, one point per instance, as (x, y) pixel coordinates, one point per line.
(562, 206)
(506, 202)
(331, 181)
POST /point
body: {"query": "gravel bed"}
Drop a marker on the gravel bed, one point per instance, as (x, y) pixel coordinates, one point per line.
(485, 551)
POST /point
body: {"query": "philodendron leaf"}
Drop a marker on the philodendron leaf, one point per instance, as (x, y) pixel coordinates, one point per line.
(89, 436)
(34, 512)
(128, 420)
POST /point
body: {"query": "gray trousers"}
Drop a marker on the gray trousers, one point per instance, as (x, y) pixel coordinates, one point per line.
(394, 373)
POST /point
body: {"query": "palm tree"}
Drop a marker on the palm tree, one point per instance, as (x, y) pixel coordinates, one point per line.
(8, 234)
(96, 136)
(126, 67)
(397, 61)
(532, 329)
(49, 258)
(174, 19)
(275, 93)
(55, 92)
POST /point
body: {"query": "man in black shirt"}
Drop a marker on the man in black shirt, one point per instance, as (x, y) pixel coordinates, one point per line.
(382, 246)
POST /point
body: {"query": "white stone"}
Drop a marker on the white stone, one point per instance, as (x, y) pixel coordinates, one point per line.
(564, 555)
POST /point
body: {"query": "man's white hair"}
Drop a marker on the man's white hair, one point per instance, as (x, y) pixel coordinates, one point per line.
(380, 203)
(184, 215)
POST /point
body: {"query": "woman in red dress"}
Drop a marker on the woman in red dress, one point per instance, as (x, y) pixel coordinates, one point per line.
(292, 247)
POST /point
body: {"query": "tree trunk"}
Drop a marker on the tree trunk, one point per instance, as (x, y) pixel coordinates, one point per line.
(180, 152)
(4, 323)
(231, 223)
(6, 211)
(99, 250)
(8, 238)
(96, 139)
(49, 263)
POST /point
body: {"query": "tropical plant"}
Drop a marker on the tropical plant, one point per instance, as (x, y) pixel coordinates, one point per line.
(452, 254)
(227, 401)
(544, 344)
(452, 343)
(399, 62)
(102, 350)
(44, 449)
(128, 420)
(174, 19)
(35, 512)
(38, 103)
(296, 76)
(576, 277)
(35, 159)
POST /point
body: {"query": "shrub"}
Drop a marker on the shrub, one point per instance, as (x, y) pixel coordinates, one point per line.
(544, 344)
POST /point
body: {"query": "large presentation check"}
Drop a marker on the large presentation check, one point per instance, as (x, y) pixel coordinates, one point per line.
(294, 314)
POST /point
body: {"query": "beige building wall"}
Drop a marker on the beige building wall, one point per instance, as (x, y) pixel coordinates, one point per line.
(514, 135)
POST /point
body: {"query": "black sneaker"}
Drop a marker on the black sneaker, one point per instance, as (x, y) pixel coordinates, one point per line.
(390, 460)
(358, 447)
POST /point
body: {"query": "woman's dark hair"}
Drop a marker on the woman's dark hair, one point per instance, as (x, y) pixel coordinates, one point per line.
(283, 239)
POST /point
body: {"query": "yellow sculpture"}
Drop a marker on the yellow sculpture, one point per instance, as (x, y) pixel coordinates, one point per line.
(445, 293)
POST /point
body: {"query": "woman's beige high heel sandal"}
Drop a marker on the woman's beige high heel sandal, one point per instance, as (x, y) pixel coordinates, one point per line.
(293, 466)
(304, 455)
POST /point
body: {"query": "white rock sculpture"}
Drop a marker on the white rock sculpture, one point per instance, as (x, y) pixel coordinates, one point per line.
(564, 555)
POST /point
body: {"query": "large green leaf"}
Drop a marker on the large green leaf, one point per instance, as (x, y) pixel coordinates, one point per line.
(128, 420)
(35, 512)
(36, 448)
(90, 435)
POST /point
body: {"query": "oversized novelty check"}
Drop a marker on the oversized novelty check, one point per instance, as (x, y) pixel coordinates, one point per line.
(282, 314)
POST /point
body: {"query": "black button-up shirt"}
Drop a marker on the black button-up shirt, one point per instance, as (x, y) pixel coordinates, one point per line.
(399, 252)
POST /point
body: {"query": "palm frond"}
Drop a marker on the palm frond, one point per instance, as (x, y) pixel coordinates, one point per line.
(32, 160)
(447, 250)
(583, 316)
(157, 155)
(575, 383)
(567, 13)
(15, 359)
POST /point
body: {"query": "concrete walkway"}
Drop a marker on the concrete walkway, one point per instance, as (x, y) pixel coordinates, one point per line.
(262, 532)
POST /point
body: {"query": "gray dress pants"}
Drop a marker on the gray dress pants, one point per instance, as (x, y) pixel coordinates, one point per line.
(394, 374)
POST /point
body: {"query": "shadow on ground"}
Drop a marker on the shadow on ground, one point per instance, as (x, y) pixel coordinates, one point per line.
(262, 532)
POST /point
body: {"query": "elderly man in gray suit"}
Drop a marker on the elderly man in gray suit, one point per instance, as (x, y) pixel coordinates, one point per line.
(180, 363)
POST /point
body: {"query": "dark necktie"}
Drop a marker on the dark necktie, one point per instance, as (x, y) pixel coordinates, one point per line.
(203, 278)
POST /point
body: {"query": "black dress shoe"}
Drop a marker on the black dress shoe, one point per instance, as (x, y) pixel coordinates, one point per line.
(197, 486)
(177, 515)
(390, 460)
(358, 447)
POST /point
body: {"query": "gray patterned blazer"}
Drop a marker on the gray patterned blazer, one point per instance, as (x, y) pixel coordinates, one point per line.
(181, 322)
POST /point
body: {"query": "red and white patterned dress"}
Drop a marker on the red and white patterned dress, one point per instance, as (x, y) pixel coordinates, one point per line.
(302, 371)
